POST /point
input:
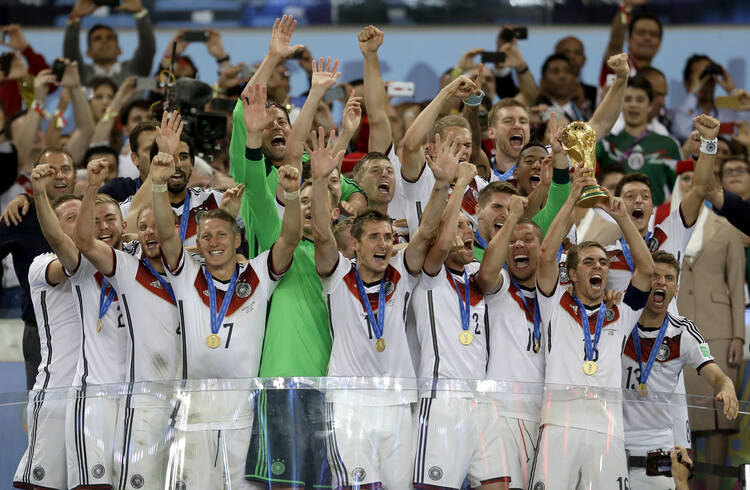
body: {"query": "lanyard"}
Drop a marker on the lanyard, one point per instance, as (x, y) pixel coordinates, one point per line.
(464, 304)
(378, 322)
(632, 146)
(591, 347)
(164, 283)
(626, 251)
(185, 216)
(217, 318)
(645, 371)
(507, 175)
(480, 241)
(536, 314)
(105, 299)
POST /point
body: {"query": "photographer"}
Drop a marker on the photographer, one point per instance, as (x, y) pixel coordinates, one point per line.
(103, 47)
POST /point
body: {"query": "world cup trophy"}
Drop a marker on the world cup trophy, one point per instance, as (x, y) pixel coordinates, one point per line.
(579, 141)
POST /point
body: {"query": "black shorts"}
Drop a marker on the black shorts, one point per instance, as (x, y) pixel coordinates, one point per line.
(288, 447)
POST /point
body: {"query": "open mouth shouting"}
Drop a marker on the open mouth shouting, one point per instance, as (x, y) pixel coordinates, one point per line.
(380, 259)
(278, 141)
(520, 261)
(384, 188)
(151, 245)
(659, 297)
(535, 180)
(639, 216)
(515, 142)
(177, 178)
(596, 282)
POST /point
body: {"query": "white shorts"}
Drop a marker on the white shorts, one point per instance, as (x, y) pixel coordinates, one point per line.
(89, 438)
(370, 444)
(640, 481)
(144, 435)
(570, 458)
(207, 459)
(43, 464)
(512, 442)
(453, 443)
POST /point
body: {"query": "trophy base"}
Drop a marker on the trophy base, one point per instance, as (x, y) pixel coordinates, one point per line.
(590, 196)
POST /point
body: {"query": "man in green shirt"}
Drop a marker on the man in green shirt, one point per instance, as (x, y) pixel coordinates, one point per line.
(639, 149)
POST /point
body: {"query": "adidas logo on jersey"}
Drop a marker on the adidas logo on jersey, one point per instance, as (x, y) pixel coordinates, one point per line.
(156, 284)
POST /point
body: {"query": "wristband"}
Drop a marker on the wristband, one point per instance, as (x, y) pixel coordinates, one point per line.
(36, 107)
(222, 60)
(73, 19)
(709, 147)
(456, 72)
(59, 119)
(141, 14)
(474, 100)
(159, 187)
(521, 72)
(109, 113)
(625, 13)
(288, 196)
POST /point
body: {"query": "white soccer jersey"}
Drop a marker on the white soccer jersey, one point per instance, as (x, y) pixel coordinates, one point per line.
(150, 316)
(578, 406)
(417, 194)
(101, 359)
(649, 423)
(238, 356)
(671, 235)
(398, 205)
(59, 326)
(201, 200)
(438, 320)
(512, 357)
(353, 352)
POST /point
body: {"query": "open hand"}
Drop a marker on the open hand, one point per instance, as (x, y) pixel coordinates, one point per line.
(322, 160)
(254, 109)
(444, 165)
(352, 114)
(232, 199)
(323, 75)
(17, 208)
(281, 35)
(168, 134)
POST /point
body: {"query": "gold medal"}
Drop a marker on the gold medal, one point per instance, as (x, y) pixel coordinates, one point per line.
(99, 325)
(537, 346)
(380, 345)
(466, 337)
(590, 368)
(642, 389)
(213, 341)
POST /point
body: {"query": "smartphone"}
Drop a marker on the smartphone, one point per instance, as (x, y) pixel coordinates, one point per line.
(195, 36)
(247, 72)
(145, 83)
(493, 57)
(58, 69)
(335, 93)
(107, 3)
(727, 128)
(728, 102)
(508, 35)
(401, 89)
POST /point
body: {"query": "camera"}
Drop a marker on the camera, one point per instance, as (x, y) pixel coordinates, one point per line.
(508, 35)
(712, 69)
(58, 69)
(658, 462)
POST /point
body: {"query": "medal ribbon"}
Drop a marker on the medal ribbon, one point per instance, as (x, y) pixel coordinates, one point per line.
(645, 371)
(632, 146)
(164, 283)
(105, 299)
(626, 251)
(377, 322)
(590, 347)
(464, 305)
(185, 216)
(505, 175)
(217, 318)
(536, 316)
(481, 241)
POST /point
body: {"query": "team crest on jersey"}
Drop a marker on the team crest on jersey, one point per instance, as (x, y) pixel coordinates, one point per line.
(180, 485)
(653, 244)
(199, 215)
(564, 277)
(136, 481)
(38, 473)
(435, 473)
(358, 474)
(243, 289)
(539, 486)
(278, 467)
(636, 161)
(663, 353)
(98, 471)
(389, 287)
(609, 315)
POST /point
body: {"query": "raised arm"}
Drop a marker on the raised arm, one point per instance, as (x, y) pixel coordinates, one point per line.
(322, 163)
(527, 88)
(350, 120)
(471, 114)
(71, 42)
(610, 107)
(489, 279)
(278, 49)
(167, 139)
(723, 387)
(99, 253)
(447, 157)
(24, 138)
(376, 101)
(644, 263)
(41, 177)
(84, 119)
(560, 186)
(691, 203)
(291, 225)
(143, 56)
(103, 128)
(617, 30)
(548, 271)
(411, 154)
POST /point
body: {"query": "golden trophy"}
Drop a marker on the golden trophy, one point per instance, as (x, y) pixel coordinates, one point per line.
(579, 141)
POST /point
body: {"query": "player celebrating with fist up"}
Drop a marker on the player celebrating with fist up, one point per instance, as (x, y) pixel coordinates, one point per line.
(581, 441)
(222, 308)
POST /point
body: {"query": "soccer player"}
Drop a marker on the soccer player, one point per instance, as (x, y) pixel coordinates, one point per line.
(212, 301)
(153, 347)
(370, 439)
(655, 353)
(43, 465)
(585, 419)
